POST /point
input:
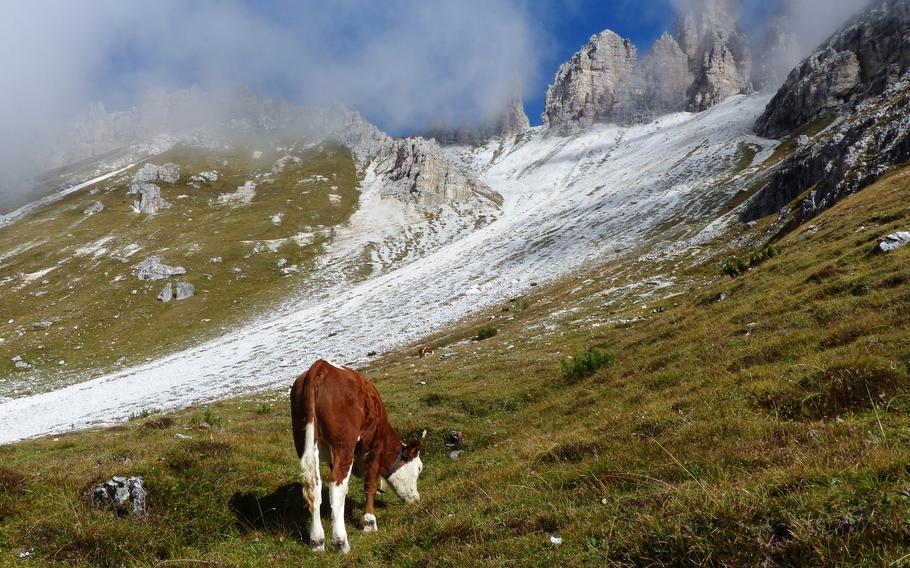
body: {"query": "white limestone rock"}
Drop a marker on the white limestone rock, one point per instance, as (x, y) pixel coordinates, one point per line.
(153, 268)
(585, 88)
(166, 173)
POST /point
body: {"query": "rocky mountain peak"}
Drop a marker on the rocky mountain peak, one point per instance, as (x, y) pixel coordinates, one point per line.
(707, 61)
(586, 87)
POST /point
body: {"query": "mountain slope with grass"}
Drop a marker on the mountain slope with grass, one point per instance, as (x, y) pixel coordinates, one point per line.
(756, 420)
(569, 203)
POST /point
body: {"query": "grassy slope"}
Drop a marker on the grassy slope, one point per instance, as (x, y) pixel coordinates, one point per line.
(773, 425)
(101, 312)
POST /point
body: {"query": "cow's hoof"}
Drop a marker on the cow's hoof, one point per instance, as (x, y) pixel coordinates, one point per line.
(341, 546)
(318, 545)
(369, 523)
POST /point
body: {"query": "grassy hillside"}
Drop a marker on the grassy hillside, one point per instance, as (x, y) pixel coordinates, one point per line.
(75, 272)
(768, 428)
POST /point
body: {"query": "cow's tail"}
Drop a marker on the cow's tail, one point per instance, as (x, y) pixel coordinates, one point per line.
(303, 416)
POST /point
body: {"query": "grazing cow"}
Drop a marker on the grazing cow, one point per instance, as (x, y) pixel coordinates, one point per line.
(337, 414)
(425, 351)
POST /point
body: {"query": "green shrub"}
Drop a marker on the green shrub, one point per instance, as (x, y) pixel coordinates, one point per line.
(585, 365)
(206, 417)
(485, 333)
(735, 266)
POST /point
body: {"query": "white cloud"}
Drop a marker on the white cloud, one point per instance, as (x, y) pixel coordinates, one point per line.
(404, 63)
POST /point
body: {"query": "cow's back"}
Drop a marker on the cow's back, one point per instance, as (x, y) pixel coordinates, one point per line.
(342, 403)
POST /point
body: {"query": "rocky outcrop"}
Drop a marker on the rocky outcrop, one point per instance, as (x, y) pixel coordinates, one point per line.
(719, 54)
(894, 241)
(585, 88)
(708, 60)
(666, 79)
(153, 268)
(166, 294)
(124, 495)
(860, 61)
(184, 290)
(167, 173)
(95, 207)
(412, 169)
(147, 198)
(859, 82)
(848, 155)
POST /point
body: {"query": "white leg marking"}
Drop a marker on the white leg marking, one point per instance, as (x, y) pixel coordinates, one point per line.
(369, 522)
(312, 486)
(337, 494)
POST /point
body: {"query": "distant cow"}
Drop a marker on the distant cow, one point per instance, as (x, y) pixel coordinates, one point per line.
(425, 351)
(337, 414)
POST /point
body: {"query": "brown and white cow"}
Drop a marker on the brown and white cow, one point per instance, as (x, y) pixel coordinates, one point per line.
(337, 414)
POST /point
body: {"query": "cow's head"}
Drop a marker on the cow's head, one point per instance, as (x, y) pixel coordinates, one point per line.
(404, 479)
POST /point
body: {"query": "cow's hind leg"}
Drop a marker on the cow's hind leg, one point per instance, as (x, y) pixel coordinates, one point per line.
(311, 481)
(338, 490)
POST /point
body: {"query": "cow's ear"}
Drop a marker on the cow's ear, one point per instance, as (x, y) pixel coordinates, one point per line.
(411, 448)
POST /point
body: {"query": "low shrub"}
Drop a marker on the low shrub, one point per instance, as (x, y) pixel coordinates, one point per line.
(585, 365)
(735, 266)
(485, 333)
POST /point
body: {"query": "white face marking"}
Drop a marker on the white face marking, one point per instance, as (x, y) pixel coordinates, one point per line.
(404, 480)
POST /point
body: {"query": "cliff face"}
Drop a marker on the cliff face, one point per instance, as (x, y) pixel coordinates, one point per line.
(412, 169)
(859, 61)
(719, 55)
(859, 82)
(708, 61)
(586, 88)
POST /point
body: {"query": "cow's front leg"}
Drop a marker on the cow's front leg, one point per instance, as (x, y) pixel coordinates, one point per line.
(370, 484)
(338, 490)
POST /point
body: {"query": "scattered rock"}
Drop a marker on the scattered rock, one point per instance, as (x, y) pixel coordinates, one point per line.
(894, 241)
(290, 269)
(167, 293)
(555, 540)
(42, 324)
(20, 364)
(453, 439)
(197, 180)
(722, 296)
(277, 218)
(167, 173)
(124, 495)
(215, 260)
(453, 455)
(120, 360)
(184, 290)
(281, 262)
(153, 269)
(95, 207)
(803, 140)
(243, 196)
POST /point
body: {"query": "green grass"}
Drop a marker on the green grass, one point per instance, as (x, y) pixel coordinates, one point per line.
(101, 313)
(772, 428)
